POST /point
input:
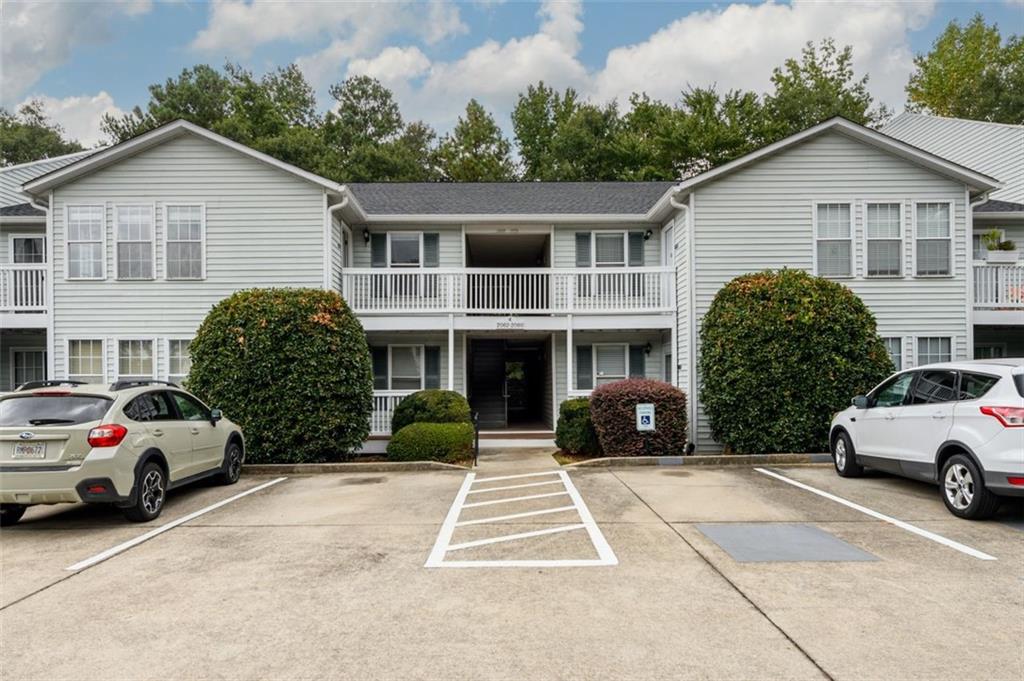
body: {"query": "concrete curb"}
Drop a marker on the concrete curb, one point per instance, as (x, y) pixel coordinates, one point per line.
(352, 467)
(702, 460)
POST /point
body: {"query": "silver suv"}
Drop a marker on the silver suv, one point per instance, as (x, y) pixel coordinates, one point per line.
(124, 444)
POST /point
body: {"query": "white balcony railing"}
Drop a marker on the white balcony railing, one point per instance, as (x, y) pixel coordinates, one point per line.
(23, 288)
(384, 403)
(510, 291)
(999, 287)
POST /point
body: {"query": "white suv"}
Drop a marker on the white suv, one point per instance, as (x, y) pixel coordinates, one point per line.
(958, 424)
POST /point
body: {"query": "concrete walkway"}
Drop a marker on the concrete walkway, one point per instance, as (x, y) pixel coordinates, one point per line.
(515, 460)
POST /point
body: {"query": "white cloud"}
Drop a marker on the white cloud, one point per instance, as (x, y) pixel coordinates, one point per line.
(80, 116)
(392, 65)
(40, 36)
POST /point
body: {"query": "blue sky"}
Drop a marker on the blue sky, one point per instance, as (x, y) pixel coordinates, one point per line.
(85, 59)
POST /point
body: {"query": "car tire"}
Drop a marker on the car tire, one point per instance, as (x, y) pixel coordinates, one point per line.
(11, 514)
(844, 457)
(963, 489)
(231, 469)
(151, 492)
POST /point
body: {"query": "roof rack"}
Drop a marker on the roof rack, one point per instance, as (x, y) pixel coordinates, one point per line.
(121, 385)
(32, 385)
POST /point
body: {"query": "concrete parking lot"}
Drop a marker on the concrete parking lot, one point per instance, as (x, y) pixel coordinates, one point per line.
(717, 573)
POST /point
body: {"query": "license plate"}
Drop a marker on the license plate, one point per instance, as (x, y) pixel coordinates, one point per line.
(30, 450)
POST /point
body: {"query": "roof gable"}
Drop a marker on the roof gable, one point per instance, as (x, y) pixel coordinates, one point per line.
(12, 177)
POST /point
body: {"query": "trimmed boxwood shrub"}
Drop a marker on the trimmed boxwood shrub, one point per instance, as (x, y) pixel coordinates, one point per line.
(781, 351)
(431, 406)
(575, 432)
(613, 411)
(292, 368)
(447, 442)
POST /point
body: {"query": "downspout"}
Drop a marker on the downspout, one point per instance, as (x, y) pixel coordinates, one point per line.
(685, 224)
(971, 205)
(328, 233)
(51, 344)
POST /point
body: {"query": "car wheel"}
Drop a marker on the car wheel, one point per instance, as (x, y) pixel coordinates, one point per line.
(844, 457)
(11, 513)
(151, 489)
(231, 469)
(964, 491)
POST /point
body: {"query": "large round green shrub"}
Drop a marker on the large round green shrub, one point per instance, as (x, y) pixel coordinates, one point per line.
(292, 367)
(432, 406)
(613, 411)
(575, 432)
(780, 352)
(447, 442)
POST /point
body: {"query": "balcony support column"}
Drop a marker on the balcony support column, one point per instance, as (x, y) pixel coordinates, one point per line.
(568, 354)
(451, 352)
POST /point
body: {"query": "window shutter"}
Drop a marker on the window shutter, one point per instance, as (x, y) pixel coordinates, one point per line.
(582, 249)
(380, 367)
(584, 367)
(432, 366)
(431, 249)
(636, 249)
(378, 250)
(637, 362)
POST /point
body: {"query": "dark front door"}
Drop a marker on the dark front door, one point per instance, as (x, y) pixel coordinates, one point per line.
(486, 382)
(506, 382)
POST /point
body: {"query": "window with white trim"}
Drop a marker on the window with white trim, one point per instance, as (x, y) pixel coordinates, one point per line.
(28, 249)
(85, 242)
(894, 348)
(611, 363)
(934, 349)
(135, 360)
(404, 249)
(179, 361)
(133, 230)
(185, 242)
(884, 233)
(85, 360)
(934, 247)
(609, 249)
(833, 240)
(405, 367)
(27, 364)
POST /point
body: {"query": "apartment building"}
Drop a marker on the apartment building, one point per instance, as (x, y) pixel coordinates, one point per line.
(519, 295)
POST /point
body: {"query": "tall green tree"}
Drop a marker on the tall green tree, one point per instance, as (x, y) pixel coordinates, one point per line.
(475, 150)
(970, 72)
(713, 128)
(644, 142)
(536, 119)
(29, 135)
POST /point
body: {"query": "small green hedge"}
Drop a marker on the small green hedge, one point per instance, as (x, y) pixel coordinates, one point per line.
(431, 406)
(575, 432)
(780, 353)
(447, 442)
(613, 411)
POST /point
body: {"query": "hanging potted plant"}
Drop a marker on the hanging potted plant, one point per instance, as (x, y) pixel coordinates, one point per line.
(999, 250)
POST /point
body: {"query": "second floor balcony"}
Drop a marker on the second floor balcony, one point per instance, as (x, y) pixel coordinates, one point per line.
(501, 291)
(23, 288)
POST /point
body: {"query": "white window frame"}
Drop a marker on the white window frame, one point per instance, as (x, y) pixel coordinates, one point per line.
(152, 241)
(606, 232)
(917, 348)
(868, 239)
(419, 265)
(593, 368)
(1002, 237)
(202, 238)
(13, 353)
(104, 376)
(850, 239)
(14, 236)
(423, 364)
(102, 242)
(117, 354)
(902, 356)
(167, 352)
(950, 238)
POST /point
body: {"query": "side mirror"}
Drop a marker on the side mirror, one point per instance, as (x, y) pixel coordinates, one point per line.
(216, 415)
(861, 402)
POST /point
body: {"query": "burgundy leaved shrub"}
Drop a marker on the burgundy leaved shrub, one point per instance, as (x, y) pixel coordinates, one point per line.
(613, 412)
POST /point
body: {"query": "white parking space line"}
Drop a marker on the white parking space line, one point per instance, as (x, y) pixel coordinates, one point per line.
(937, 538)
(124, 546)
(442, 546)
(526, 484)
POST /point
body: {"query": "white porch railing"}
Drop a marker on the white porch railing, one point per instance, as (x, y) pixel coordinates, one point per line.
(999, 286)
(509, 291)
(384, 403)
(23, 288)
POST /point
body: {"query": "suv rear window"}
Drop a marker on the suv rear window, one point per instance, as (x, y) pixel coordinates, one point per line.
(973, 386)
(52, 410)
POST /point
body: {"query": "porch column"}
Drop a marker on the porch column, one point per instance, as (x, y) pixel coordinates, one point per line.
(568, 355)
(451, 352)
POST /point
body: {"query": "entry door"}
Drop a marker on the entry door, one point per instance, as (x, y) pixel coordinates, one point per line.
(487, 388)
(878, 429)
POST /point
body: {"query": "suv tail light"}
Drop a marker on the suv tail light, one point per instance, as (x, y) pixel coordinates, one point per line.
(107, 435)
(1010, 417)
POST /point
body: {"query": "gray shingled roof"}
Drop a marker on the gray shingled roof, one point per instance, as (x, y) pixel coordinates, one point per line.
(20, 210)
(997, 206)
(508, 198)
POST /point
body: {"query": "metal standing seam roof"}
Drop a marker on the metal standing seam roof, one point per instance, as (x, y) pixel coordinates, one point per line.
(12, 177)
(508, 198)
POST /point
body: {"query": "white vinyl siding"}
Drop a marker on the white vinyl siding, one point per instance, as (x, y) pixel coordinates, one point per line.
(884, 236)
(85, 242)
(894, 347)
(86, 360)
(179, 361)
(834, 239)
(931, 350)
(933, 250)
(134, 244)
(135, 359)
(185, 242)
